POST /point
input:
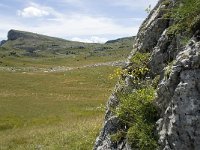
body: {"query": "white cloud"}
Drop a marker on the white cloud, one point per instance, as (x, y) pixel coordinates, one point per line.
(68, 25)
(76, 25)
(32, 12)
(81, 25)
(92, 39)
(36, 10)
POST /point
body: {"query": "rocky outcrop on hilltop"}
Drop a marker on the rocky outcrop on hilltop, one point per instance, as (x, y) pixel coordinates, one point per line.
(14, 34)
(176, 65)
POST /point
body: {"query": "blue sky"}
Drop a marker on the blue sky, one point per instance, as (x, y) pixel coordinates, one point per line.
(81, 20)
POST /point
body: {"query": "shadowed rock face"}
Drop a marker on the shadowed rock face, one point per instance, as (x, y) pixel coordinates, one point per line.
(14, 34)
(178, 94)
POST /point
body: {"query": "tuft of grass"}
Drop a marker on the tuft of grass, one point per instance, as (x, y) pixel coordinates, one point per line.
(168, 70)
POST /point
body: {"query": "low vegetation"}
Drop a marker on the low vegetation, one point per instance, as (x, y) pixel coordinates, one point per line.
(137, 110)
(138, 68)
(139, 114)
(53, 110)
(186, 16)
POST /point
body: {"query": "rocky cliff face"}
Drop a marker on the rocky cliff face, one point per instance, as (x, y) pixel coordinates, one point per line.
(177, 64)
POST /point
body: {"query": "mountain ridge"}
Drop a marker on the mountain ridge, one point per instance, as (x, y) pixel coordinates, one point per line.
(14, 34)
(36, 44)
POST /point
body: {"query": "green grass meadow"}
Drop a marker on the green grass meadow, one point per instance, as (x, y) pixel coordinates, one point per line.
(53, 91)
(52, 111)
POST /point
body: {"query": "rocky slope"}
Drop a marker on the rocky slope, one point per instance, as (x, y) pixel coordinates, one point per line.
(175, 64)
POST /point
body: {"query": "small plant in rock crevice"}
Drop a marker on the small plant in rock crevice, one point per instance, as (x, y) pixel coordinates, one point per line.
(139, 114)
(186, 17)
(168, 70)
(137, 110)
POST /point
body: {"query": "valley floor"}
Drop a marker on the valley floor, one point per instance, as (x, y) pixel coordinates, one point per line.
(53, 109)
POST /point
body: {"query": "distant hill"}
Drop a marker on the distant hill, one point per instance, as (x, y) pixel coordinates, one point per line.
(122, 40)
(32, 44)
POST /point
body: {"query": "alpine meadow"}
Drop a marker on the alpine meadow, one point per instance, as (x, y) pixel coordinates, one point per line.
(53, 91)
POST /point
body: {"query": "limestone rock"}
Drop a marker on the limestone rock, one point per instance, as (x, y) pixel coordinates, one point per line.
(154, 27)
(178, 92)
(151, 29)
(179, 100)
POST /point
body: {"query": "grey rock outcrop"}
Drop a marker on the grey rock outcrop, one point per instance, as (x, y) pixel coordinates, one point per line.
(2, 42)
(151, 29)
(179, 100)
(15, 34)
(178, 91)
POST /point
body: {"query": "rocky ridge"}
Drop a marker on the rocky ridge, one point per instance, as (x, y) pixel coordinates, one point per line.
(178, 92)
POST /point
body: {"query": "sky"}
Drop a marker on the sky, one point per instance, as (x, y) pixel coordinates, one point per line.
(78, 20)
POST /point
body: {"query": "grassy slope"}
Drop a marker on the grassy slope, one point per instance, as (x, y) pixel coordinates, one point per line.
(41, 110)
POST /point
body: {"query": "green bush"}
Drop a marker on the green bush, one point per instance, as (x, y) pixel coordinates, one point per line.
(138, 67)
(139, 64)
(141, 137)
(137, 110)
(139, 114)
(140, 59)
